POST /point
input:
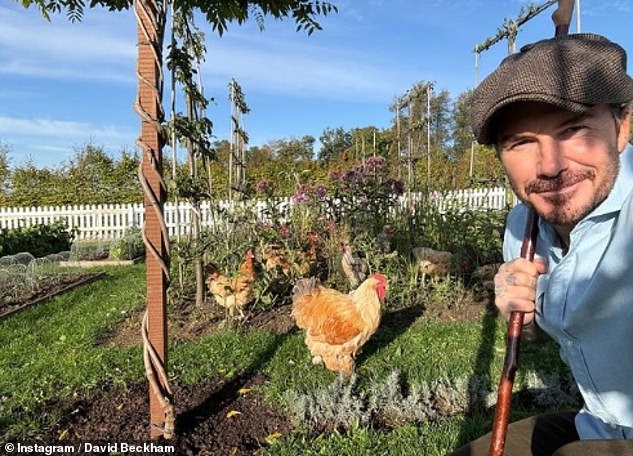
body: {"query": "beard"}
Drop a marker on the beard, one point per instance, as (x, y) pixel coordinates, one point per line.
(563, 208)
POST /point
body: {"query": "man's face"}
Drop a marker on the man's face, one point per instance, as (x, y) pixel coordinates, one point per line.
(562, 164)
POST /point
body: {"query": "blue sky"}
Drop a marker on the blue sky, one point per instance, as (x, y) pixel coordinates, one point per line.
(63, 85)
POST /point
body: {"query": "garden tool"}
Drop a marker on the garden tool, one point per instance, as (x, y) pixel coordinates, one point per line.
(561, 18)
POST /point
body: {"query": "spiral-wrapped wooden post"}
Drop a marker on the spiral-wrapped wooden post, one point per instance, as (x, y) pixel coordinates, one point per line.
(150, 16)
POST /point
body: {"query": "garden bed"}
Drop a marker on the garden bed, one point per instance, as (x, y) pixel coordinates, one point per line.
(217, 417)
(47, 288)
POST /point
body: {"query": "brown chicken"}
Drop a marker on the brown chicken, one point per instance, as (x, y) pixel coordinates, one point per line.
(232, 292)
(337, 324)
(276, 259)
(310, 259)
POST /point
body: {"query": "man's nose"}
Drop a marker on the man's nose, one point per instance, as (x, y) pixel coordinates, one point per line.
(551, 160)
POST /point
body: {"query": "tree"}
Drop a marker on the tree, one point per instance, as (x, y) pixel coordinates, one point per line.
(30, 186)
(124, 174)
(219, 13)
(363, 140)
(294, 150)
(90, 174)
(4, 172)
(462, 136)
(334, 143)
(259, 156)
(441, 123)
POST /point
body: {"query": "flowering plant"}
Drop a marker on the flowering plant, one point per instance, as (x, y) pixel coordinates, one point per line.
(364, 196)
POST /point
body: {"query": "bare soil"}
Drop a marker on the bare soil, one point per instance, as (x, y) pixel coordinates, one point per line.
(205, 420)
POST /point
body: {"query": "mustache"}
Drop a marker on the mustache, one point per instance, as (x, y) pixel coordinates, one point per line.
(564, 179)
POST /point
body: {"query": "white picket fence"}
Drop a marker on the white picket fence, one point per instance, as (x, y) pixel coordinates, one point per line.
(110, 221)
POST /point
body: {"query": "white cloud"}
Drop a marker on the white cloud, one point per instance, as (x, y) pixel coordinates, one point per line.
(268, 62)
(275, 65)
(60, 129)
(93, 49)
(50, 142)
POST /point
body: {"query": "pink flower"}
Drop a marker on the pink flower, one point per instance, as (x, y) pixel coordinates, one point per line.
(284, 231)
(264, 186)
(299, 198)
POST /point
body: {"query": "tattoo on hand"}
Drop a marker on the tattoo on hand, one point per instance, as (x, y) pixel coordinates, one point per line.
(500, 290)
(511, 279)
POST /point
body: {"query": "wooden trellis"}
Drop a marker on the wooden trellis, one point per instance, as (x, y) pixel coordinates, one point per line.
(148, 105)
(239, 139)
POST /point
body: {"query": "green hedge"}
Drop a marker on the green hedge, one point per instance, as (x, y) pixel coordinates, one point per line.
(38, 240)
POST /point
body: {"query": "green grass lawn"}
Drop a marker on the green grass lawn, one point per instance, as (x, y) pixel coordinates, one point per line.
(53, 351)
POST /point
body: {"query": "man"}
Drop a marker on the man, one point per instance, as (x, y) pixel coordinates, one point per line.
(558, 113)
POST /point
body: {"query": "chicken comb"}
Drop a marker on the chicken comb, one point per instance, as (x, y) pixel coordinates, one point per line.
(379, 277)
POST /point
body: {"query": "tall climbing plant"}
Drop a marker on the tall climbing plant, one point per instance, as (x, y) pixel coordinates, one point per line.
(193, 130)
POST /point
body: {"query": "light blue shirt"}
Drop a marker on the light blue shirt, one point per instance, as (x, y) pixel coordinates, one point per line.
(585, 302)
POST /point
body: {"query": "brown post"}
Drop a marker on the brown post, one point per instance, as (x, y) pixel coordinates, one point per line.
(149, 107)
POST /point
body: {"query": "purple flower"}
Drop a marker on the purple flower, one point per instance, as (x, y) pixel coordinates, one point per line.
(320, 191)
(264, 186)
(350, 176)
(373, 164)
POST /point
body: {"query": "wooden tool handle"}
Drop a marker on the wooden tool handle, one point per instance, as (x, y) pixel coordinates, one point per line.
(511, 360)
(562, 16)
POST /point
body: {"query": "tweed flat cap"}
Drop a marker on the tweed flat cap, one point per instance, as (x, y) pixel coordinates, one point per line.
(573, 72)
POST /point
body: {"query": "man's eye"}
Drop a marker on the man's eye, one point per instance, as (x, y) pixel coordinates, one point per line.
(514, 145)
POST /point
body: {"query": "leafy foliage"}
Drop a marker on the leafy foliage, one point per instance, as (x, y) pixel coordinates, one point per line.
(90, 177)
(129, 246)
(343, 405)
(38, 240)
(23, 274)
(219, 13)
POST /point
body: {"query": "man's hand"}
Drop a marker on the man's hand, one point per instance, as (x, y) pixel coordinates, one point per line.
(515, 287)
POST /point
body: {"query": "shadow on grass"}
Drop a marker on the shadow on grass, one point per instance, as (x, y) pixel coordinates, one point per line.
(187, 421)
(392, 325)
(483, 362)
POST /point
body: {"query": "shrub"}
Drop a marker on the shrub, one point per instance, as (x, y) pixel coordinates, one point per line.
(39, 240)
(89, 250)
(130, 246)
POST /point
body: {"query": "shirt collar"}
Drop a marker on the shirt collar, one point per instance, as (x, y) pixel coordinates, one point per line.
(621, 188)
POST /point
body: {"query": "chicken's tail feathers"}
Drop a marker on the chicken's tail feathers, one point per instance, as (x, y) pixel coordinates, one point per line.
(304, 286)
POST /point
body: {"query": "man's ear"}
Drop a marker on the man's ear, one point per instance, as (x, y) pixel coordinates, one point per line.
(625, 128)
